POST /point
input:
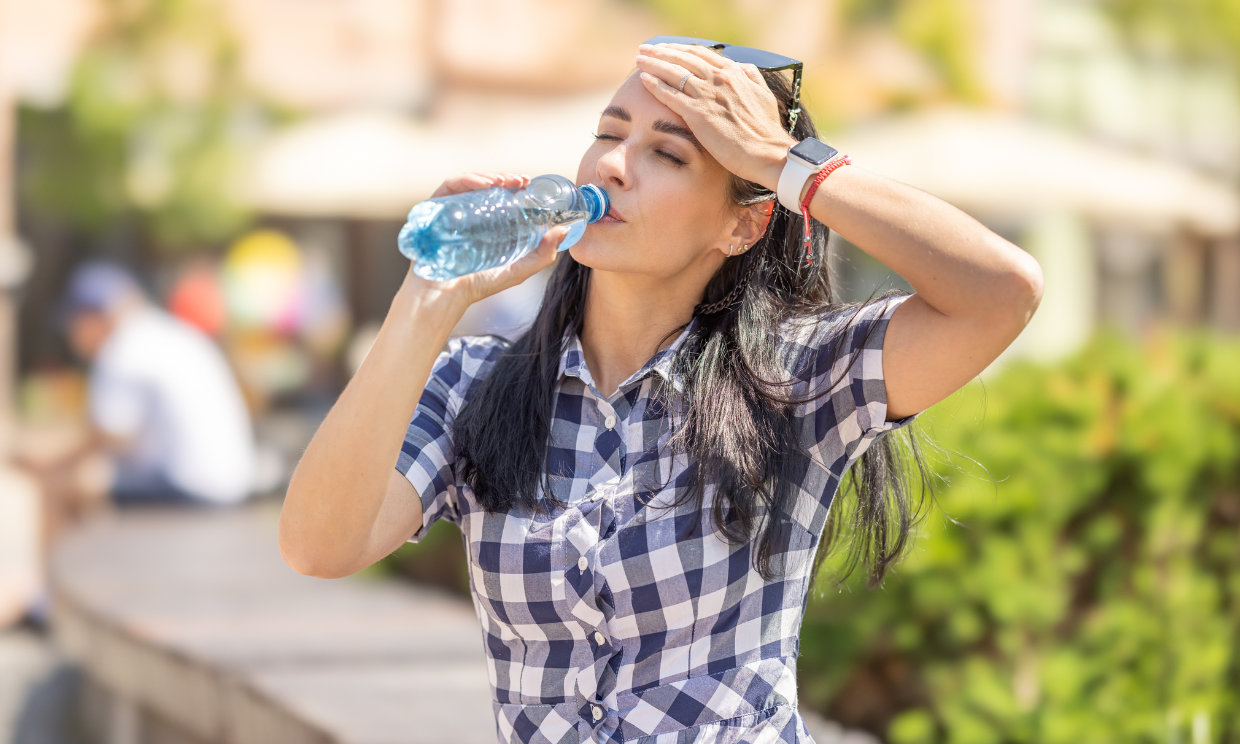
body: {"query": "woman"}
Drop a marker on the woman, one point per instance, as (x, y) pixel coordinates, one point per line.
(644, 477)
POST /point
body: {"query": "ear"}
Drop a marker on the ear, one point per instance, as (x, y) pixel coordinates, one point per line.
(751, 223)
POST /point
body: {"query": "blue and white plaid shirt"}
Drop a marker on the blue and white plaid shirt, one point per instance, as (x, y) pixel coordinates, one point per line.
(602, 621)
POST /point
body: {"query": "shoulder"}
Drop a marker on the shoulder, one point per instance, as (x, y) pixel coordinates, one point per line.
(467, 359)
(844, 325)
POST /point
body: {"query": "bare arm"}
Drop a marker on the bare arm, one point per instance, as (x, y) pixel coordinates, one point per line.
(346, 505)
(975, 290)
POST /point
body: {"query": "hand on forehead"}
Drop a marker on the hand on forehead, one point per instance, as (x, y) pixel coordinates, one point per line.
(726, 104)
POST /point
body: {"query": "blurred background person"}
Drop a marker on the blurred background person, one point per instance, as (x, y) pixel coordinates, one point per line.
(167, 421)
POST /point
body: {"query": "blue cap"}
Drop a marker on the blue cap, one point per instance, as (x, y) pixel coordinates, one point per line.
(96, 286)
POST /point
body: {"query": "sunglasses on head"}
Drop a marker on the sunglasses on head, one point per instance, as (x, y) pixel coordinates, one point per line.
(759, 58)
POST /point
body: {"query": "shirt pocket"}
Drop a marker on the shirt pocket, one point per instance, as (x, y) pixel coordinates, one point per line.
(512, 566)
(759, 727)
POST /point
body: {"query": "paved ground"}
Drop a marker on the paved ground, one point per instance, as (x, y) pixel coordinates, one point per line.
(36, 689)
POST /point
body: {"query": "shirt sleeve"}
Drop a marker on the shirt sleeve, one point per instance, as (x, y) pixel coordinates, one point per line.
(428, 456)
(841, 366)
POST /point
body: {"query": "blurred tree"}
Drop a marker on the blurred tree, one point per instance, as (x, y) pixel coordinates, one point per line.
(1194, 30)
(725, 20)
(937, 35)
(156, 121)
(942, 32)
(1088, 590)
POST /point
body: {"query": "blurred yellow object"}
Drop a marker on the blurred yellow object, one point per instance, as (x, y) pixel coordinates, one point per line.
(262, 276)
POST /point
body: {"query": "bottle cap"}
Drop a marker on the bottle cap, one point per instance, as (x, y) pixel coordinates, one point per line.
(597, 201)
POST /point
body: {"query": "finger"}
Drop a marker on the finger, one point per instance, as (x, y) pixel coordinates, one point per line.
(475, 181)
(513, 180)
(464, 182)
(660, 58)
(699, 60)
(668, 72)
(753, 73)
(668, 95)
(710, 56)
(541, 257)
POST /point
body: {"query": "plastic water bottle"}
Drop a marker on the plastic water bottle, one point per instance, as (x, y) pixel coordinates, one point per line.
(462, 233)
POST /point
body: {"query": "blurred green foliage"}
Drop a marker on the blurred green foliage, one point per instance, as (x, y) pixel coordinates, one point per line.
(941, 32)
(1198, 30)
(1078, 582)
(153, 131)
(438, 560)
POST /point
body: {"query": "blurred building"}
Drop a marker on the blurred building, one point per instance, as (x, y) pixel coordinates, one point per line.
(401, 95)
(1116, 166)
(1118, 170)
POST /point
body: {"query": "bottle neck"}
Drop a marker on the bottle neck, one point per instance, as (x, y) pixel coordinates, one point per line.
(597, 202)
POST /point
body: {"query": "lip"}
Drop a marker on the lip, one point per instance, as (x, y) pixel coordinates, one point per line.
(612, 216)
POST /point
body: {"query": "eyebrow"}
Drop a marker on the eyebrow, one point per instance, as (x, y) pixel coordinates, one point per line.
(660, 125)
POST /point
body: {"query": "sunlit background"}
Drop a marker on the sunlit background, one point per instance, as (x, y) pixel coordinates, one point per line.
(253, 160)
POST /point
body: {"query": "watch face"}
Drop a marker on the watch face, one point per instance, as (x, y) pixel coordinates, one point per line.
(814, 151)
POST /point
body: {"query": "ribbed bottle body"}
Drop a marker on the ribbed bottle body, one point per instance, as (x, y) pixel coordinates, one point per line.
(464, 233)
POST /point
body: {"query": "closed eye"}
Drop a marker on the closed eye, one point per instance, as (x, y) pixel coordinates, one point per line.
(661, 153)
(670, 157)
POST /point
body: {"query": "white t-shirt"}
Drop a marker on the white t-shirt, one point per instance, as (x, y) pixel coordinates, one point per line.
(165, 386)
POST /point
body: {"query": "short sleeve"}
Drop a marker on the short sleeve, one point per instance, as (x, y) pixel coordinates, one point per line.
(428, 456)
(840, 364)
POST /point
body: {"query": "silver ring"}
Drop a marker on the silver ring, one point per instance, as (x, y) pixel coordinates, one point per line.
(684, 80)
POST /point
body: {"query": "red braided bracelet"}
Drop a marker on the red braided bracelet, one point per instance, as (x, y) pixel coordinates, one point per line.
(809, 195)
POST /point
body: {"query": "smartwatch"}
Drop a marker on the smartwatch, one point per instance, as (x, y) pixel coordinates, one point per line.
(805, 158)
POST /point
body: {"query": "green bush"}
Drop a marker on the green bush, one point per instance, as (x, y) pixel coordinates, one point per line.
(1086, 591)
(1077, 581)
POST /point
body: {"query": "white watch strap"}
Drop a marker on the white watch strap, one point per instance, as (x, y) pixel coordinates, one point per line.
(792, 182)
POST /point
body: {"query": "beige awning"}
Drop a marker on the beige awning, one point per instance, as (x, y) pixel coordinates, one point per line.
(378, 165)
(998, 164)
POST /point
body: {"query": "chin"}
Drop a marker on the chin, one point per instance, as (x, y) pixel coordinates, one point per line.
(601, 255)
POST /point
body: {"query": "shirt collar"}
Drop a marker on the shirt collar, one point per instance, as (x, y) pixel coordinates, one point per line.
(573, 361)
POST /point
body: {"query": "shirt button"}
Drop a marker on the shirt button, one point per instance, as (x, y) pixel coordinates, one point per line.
(597, 712)
(598, 638)
(582, 563)
(610, 422)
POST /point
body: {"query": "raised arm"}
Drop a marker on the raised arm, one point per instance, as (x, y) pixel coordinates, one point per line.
(975, 290)
(346, 506)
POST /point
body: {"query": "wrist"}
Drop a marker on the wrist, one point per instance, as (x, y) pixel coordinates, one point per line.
(428, 302)
(805, 159)
(771, 164)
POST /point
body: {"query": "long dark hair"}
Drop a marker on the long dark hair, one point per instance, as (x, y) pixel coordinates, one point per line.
(738, 431)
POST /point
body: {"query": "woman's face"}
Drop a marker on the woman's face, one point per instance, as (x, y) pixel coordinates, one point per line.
(670, 210)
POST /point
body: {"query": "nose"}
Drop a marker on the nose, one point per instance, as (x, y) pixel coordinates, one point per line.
(612, 169)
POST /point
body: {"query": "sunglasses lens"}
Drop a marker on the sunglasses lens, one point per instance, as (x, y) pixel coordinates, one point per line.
(759, 58)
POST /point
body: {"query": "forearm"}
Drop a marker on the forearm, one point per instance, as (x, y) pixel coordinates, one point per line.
(954, 263)
(338, 487)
